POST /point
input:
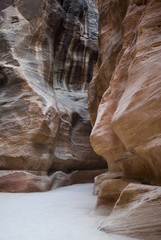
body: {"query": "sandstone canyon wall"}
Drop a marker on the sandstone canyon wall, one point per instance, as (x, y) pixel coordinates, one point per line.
(47, 52)
(125, 111)
(124, 96)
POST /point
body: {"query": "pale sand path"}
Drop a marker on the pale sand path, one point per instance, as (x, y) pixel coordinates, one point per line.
(62, 214)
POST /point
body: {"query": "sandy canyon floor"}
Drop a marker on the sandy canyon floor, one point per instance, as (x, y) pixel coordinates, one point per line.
(66, 213)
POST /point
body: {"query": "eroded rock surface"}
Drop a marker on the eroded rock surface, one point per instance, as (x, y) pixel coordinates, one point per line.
(136, 213)
(16, 181)
(127, 85)
(124, 104)
(102, 177)
(23, 181)
(47, 53)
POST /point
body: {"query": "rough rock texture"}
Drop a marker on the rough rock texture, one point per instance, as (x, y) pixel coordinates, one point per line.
(124, 104)
(136, 213)
(22, 181)
(104, 176)
(38, 181)
(127, 84)
(47, 52)
(109, 193)
(75, 56)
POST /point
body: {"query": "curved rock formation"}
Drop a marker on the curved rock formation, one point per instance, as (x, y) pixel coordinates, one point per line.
(140, 218)
(124, 104)
(128, 124)
(47, 53)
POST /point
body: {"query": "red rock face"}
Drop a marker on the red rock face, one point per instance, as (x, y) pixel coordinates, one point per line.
(128, 120)
(47, 53)
(15, 181)
(47, 56)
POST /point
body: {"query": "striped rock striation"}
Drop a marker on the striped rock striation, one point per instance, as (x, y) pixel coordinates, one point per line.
(47, 52)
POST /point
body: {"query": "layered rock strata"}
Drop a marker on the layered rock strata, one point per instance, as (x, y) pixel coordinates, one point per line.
(47, 53)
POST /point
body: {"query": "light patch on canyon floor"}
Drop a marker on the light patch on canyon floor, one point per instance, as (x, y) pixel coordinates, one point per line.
(61, 214)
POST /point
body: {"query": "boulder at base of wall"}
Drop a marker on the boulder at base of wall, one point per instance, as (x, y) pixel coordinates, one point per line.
(136, 213)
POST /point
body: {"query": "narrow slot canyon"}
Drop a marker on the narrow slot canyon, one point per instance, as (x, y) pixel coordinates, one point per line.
(80, 119)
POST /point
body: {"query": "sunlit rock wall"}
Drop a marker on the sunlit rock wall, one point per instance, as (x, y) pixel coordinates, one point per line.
(47, 52)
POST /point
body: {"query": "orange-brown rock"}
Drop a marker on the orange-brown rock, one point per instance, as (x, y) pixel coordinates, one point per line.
(109, 193)
(22, 181)
(136, 213)
(128, 124)
(47, 53)
(111, 14)
(102, 177)
(16, 181)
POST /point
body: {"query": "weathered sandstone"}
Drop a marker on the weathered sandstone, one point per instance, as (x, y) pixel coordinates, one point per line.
(109, 193)
(16, 181)
(127, 84)
(124, 105)
(102, 177)
(136, 213)
(48, 49)
(23, 181)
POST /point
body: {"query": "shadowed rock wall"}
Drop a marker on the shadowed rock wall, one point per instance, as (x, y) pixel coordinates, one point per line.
(47, 53)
